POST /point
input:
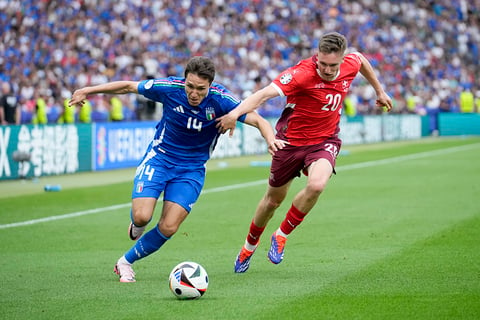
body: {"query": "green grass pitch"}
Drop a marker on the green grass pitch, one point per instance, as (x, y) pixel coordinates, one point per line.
(396, 235)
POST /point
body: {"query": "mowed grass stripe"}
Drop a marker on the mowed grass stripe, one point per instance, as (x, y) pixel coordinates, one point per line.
(355, 257)
(433, 278)
(356, 234)
(249, 184)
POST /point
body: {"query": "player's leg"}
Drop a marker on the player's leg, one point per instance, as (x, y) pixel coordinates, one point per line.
(286, 165)
(319, 173)
(140, 215)
(172, 216)
(149, 183)
(264, 212)
(319, 161)
(180, 193)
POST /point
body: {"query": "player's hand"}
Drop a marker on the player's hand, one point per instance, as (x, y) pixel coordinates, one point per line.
(226, 122)
(385, 102)
(78, 98)
(276, 145)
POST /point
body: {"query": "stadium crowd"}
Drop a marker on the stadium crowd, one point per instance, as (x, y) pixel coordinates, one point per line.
(427, 52)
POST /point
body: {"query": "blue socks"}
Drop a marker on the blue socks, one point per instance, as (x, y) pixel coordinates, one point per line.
(146, 245)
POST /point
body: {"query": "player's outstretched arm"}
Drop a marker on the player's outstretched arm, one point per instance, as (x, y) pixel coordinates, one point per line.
(115, 87)
(265, 128)
(251, 103)
(383, 99)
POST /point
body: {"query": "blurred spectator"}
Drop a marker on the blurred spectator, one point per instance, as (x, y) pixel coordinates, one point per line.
(467, 101)
(40, 113)
(9, 109)
(67, 116)
(100, 109)
(350, 106)
(116, 109)
(477, 101)
(411, 103)
(85, 112)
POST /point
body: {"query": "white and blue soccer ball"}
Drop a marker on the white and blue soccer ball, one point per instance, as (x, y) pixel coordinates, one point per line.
(188, 280)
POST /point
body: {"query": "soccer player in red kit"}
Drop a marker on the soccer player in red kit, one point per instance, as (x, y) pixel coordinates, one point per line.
(315, 89)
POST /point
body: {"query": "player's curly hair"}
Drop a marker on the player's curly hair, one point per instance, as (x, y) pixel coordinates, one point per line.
(202, 67)
(333, 42)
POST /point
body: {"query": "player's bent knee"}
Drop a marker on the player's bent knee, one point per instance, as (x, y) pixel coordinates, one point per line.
(316, 187)
(273, 203)
(141, 218)
(168, 230)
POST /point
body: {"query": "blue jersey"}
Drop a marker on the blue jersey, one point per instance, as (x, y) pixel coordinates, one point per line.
(186, 135)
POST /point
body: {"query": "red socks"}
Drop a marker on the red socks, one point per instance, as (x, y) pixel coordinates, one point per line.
(254, 234)
(293, 218)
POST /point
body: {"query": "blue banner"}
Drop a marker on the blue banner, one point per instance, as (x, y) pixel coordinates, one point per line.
(120, 144)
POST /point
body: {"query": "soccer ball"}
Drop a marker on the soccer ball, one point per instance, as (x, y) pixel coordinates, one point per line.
(188, 280)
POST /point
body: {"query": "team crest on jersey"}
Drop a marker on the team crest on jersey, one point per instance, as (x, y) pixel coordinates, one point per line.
(345, 85)
(210, 113)
(286, 78)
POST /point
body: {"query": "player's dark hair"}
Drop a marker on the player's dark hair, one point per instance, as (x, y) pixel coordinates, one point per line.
(202, 67)
(333, 42)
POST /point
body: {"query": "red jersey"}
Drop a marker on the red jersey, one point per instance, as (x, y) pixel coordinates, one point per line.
(314, 105)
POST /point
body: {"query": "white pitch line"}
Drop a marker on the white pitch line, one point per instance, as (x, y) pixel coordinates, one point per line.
(413, 156)
(249, 184)
(63, 216)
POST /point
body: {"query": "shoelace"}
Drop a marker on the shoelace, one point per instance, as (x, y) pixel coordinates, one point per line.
(245, 254)
(280, 242)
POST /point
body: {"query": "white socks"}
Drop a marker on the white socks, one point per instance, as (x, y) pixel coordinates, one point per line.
(122, 260)
(281, 233)
(250, 247)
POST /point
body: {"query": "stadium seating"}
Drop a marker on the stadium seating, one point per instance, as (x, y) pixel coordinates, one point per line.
(419, 48)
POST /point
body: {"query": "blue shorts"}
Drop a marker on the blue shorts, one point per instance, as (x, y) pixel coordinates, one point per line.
(181, 185)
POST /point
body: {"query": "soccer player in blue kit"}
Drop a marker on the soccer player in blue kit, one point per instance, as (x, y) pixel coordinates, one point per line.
(174, 162)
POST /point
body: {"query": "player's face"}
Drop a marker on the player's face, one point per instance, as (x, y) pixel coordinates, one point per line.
(196, 89)
(328, 65)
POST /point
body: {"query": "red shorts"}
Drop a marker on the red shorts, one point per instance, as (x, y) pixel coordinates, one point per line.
(289, 162)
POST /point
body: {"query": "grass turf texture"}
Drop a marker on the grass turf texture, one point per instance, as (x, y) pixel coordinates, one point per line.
(396, 240)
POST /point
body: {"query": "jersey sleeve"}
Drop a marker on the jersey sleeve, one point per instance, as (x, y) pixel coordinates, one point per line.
(225, 99)
(144, 88)
(158, 89)
(229, 102)
(285, 83)
(290, 81)
(356, 60)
